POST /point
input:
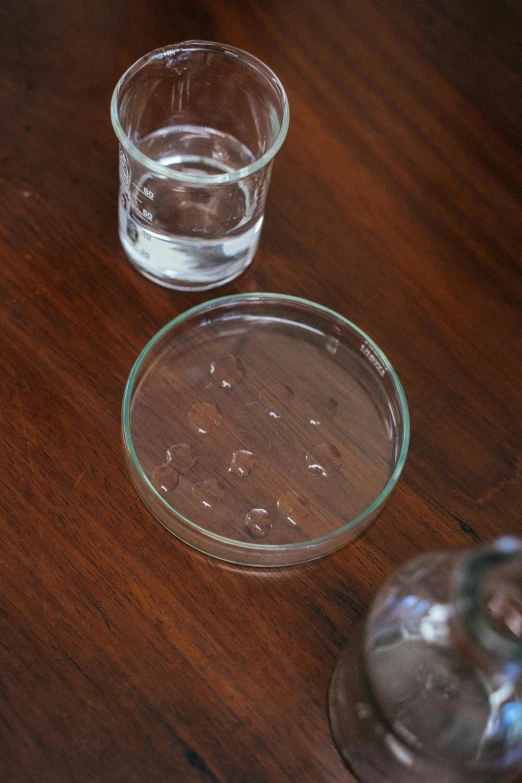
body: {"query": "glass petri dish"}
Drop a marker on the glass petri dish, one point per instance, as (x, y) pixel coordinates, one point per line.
(264, 429)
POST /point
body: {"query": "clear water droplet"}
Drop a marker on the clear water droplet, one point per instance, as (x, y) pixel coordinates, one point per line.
(208, 492)
(276, 394)
(258, 522)
(281, 392)
(165, 478)
(332, 344)
(182, 457)
(324, 458)
(243, 462)
(332, 340)
(293, 508)
(321, 410)
(227, 371)
(204, 417)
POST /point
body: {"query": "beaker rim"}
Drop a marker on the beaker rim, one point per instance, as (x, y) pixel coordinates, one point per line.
(206, 179)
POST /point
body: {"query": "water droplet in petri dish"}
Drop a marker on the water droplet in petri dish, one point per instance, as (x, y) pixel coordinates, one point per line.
(258, 522)
(292, 508)
(204, 417)
(282, 392)
(332, 340)
(332, 344)
(243, 463)
(227, 371)
(276, 396)
(182, 457)
(321, 410)
(324, 458)
(208, 492)
(165, 478)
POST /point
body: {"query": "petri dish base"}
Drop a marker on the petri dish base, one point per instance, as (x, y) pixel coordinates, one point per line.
(263, 429)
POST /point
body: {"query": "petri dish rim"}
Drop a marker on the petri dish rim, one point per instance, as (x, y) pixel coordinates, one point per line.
(194, 46)
(253, 547)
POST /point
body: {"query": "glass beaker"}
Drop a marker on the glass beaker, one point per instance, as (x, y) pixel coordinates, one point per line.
(199, 124)
(430, 688)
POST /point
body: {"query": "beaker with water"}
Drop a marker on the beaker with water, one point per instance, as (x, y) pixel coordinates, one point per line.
(199, 124)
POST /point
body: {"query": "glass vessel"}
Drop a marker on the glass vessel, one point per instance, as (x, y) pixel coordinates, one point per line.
(263, 429)
(199, 124)
(430, 688)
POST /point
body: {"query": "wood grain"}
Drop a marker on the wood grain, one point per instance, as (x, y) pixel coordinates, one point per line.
(396, 200)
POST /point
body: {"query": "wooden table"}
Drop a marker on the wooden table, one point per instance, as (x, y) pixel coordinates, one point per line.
(396, 200)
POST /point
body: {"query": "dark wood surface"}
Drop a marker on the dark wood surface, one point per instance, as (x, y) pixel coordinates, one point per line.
(396, 200)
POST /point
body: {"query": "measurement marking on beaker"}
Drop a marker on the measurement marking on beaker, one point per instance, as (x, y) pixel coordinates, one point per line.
(146, 213)
(146, 192)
